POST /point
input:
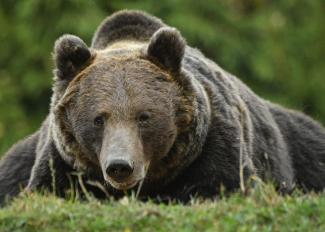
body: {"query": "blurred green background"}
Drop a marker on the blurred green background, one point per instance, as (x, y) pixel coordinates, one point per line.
(276, 46)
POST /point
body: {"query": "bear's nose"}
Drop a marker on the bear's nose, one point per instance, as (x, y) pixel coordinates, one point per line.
(119, 169)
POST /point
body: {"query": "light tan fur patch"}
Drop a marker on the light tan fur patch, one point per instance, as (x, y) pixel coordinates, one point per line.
(125, 44)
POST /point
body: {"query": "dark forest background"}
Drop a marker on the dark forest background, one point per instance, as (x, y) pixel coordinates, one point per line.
(277, 47)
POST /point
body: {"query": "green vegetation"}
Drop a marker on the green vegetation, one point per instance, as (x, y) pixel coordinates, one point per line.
(277, 47)
(262, 210)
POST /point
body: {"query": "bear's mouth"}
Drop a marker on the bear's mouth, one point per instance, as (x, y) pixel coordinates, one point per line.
(130, 182)
(124, 185)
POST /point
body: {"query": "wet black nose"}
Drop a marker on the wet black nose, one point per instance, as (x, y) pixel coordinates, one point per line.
(119, 169)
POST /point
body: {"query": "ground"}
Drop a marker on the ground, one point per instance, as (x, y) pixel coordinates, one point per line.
(261, 210)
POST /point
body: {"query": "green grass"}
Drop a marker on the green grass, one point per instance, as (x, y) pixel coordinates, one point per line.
(261, 210)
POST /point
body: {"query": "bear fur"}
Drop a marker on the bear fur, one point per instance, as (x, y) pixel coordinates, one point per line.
(186, 126)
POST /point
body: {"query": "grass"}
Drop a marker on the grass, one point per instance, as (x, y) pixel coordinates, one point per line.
(261, 210)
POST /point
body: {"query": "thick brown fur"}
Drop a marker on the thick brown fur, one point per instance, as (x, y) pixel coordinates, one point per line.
(184, 126)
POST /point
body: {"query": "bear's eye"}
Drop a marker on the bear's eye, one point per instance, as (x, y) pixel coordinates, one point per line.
(161, 78)
(144, 116)
(99, 121)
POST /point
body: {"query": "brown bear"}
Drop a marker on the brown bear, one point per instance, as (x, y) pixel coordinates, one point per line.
(141, 110)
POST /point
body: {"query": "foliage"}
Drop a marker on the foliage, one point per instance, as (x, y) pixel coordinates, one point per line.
(262, 210)
(277, 47)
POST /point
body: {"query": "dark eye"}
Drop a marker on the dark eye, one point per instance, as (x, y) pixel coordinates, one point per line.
(144, 116)
(161, 78)
(99, 121)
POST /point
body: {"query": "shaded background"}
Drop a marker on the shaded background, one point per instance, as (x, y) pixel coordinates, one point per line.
(276, 46)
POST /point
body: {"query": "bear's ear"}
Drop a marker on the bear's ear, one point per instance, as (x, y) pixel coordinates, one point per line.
(71, 54)
(167, 46)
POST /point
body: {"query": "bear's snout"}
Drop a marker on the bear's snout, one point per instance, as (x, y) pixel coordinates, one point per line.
(121, 158)
(119, 169)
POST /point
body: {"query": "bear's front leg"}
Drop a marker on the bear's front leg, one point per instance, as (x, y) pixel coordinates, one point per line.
(49, 171)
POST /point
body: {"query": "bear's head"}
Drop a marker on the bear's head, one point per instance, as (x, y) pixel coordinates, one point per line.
(124, 111)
